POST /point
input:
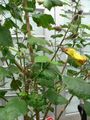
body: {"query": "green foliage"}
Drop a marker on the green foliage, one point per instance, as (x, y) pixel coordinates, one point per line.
(3, 73)
(72, 72)
(44, 49)
(36, 101)
(41, 59)
(14, 10)
(7, 54)
(77, 87)
(2, 8)
(55, 98)
(87, 107)
(85, 26)
(37, 41)
(9, 24)
(12, 69)
(57, 35)
(5, 37)
(37, 72)
(2, 93)
(13, 109)
(52, 3)
(31, 5)
(15, 84)
(17, 2)
(43, 20)
(24, 28)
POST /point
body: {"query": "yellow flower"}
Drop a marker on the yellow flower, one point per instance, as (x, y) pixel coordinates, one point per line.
(80, 59)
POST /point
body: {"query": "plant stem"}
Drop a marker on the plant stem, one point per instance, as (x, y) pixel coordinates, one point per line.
(77, 3)
(18, 41)
(61, 112)
(25, 5)
(24, 71)
(4, 99)
(47, 110)
(14, 78)
(37, 114)
(64, 67)
(26, 117)
(60, 43)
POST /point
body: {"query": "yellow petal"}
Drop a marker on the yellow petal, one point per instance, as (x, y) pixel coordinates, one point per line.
(80, 59)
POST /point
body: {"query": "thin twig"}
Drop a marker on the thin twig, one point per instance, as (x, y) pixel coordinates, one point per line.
(61, 112)
(64, 68)
(25, 5)
(13, 78)
(18, 41)
(20, 67)
(47, 110)
(4, 99)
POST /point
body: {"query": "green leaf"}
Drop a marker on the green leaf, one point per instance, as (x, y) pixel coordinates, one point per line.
(72, 71)
(64, 15)
(21, 45)
(2, 8)
(14, 10)
(12, 69)
(15, 84)
(87, 107)
(35, 68)
(14, 108)
(9, 23)
(5, 37)
(72, 62)
(54, 69)
(52, 3)
(44, 49)
(77, 87)
(2, 93)
(49, 83)
(7, 54)
(48, 74)
(55, 98)
(37, 41)
(41, 59)
(3, 73)
(46, 78)
(24, 28)
(36, 101)
(79, 45)
(55, 62)
(31, 5)
(43, 20)
(17, 2)
(57, 35)
(85, 26)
